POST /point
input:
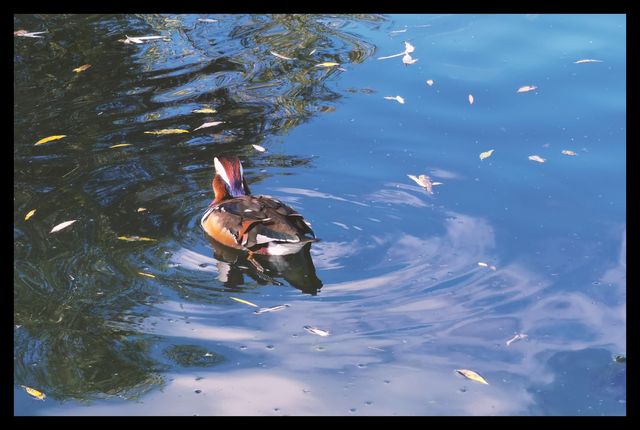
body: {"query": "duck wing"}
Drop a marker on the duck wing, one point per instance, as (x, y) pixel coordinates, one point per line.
(259, 220)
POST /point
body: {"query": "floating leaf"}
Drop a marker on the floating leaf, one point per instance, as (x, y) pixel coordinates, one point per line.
(25, 33)
(527, 88)
(470, 374)
(120, 145)
(140, 39)
(315, 330)
(273, 309)
(517, 338)
(136, 239)
(30, 214)
(470, 99)
(205, 110)
(168, 131)
(536, 158)
(244, 301)
(327, 64)
(486, 154)
(430, 82)
(425, 182)
(397, 31)
(396, 98)
(568, 152)
(34, 393)
(209, 124)
(149, 275)
(312, 51)
(275, 54)
(620, 358)
(141, 209)
(50, 138)
(258, 148)
(62, 225)
(408, 48)
(408, 60)
(587, 60)
(207, 20)
(82, 68)
(483, 264)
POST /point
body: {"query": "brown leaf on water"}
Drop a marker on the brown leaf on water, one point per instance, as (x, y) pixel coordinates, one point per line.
(148, 275)
(470, 99)
(168, 131)
(527, 88)
(50, 138)
(34, 393)
(470, 374)
(536, 158)
(82, 68)
(120, 145)
(568, 152)
(30, 214)
(486, 154)
(62, 226)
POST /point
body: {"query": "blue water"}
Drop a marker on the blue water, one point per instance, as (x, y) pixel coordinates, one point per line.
(402, 293)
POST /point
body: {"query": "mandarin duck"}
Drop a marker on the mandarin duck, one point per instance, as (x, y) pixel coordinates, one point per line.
(255, 224)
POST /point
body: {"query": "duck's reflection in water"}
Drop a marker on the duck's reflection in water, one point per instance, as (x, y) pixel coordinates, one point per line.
(297, 269)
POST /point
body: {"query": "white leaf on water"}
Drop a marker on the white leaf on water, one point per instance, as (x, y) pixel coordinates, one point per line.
(258, 148)
(527, 88)
(62, 225)
(486, 154)
(273, 309)
(209, 124)
(516, 338)
(396, 98)
(280, 56)
(470, 99)
(408, 48)
(430, 82)
(207, 20)
(317, 331)
(408, 60)
(587, 60)
(536, 158)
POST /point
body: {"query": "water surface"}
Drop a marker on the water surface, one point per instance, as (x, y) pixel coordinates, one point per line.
(395, 278)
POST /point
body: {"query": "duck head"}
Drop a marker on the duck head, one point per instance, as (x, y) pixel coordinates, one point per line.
(228, 181)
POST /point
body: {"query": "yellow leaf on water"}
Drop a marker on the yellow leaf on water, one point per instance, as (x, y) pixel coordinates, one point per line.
(30, 214)
(168, 131)
(33, 392)
(568, 152)
(470, 99)
(62, 225)
(470, 374)
(244, 301)
(486, 154)
(527, 88)
(120, 145)
(536, 158)
(205, 110)
(149, 275)
(136, 239)
(327, 64)
(82, 68)
(50, 138)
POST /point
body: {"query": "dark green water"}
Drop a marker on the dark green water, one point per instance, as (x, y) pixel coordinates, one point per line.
(395, 278)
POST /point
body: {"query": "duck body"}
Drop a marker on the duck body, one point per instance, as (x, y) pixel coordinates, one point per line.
(256, 224)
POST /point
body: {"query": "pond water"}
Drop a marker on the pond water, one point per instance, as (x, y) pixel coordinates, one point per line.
(105, 325)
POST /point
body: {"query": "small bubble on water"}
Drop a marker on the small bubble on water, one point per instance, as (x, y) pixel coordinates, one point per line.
(368, 403)
(352, 410)
(199, 378)
(203, 265)
(320, 348)
(386, 381)
(362, 366)
(198, 391)
(270, 346)
(276, 409)
(463, 389)
(243, 347)
(596, 283)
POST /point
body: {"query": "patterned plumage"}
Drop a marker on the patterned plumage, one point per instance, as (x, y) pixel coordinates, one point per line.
(257, 224)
